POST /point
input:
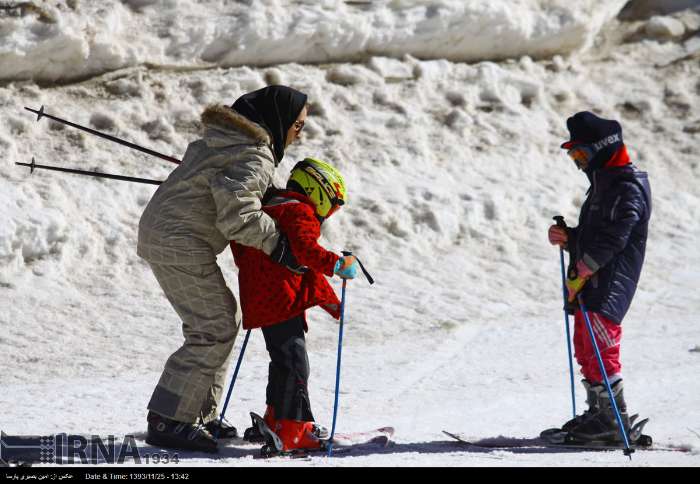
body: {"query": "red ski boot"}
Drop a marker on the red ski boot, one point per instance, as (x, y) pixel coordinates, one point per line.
(296, 434)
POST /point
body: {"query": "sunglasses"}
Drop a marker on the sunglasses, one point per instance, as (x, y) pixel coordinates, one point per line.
(581, 154)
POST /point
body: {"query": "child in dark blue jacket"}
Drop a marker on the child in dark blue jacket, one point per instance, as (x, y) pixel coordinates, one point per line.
(606, 257)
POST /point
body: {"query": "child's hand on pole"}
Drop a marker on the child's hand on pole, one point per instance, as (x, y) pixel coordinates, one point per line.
(558, 236)
(346, 267)
(574, 286)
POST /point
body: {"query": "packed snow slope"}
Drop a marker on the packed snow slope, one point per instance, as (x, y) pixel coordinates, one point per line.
(454, 172)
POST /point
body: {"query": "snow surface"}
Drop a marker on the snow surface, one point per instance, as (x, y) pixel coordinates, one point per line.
(453, 171)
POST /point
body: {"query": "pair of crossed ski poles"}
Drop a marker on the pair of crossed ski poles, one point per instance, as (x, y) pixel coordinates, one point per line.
(628, 450)
(40, 114)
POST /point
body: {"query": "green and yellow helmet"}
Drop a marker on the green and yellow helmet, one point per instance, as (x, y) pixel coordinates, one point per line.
(321, 182)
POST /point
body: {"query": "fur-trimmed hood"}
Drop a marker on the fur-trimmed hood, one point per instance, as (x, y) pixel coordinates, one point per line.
(226, 119)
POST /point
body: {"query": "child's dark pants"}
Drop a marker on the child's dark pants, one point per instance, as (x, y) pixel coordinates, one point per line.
(288, 374)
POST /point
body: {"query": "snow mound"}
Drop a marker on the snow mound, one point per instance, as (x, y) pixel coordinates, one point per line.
(36, 231)
(63, 40)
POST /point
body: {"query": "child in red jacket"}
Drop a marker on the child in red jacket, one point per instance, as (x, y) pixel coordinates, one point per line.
(274, 298)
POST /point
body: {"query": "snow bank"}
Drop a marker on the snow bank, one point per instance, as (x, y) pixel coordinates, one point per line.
(59, 40)
(63, 40)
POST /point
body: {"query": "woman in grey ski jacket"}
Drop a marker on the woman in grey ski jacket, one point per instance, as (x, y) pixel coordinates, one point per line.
(214, 196)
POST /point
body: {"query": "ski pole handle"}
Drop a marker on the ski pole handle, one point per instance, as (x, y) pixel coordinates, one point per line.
(559, 220)
(362, 267)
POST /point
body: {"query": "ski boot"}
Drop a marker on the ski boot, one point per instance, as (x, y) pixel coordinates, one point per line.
(171, 434)
(221, 429)
(292, 438)
(602, 425)
(296, 434)
(591, 400)
(252, 433)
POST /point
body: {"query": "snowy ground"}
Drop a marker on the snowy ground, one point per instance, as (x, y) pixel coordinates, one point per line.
(454, 173)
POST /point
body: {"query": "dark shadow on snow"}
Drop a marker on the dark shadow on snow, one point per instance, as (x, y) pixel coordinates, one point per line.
(514, 446)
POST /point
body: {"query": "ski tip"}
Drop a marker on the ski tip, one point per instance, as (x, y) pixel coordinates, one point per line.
(456, 437)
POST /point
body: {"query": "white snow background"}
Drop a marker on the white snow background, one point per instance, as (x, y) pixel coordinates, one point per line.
(445, 118)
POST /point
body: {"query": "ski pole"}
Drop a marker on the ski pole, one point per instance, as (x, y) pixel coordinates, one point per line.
(337, 369)
(560, 223)
(233, 382)
(40, 114)
(340, 349)
(96, 174)
(628, 450)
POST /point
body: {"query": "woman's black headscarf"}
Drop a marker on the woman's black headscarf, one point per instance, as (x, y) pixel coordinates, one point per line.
(275, 108)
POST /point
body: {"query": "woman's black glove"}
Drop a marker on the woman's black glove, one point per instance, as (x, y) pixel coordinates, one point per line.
(282, 254)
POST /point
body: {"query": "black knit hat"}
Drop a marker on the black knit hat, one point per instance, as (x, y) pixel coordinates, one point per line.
(604, 135)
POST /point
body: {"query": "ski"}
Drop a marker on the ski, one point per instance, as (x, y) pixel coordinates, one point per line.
(376, 436)
(379, 442)
(644, 442)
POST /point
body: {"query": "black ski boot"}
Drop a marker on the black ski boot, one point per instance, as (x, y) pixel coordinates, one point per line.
(221, 430)
(171, 434)
(602, 425)
(591, 400)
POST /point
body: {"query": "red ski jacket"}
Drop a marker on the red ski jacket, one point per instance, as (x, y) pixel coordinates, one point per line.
(269, 292)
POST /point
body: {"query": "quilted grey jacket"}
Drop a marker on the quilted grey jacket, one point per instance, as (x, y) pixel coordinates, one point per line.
(213, 196)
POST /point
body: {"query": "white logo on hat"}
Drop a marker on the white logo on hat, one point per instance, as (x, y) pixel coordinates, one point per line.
(613, 138)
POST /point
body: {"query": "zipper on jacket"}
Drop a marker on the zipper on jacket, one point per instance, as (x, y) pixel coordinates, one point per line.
(589, 201)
